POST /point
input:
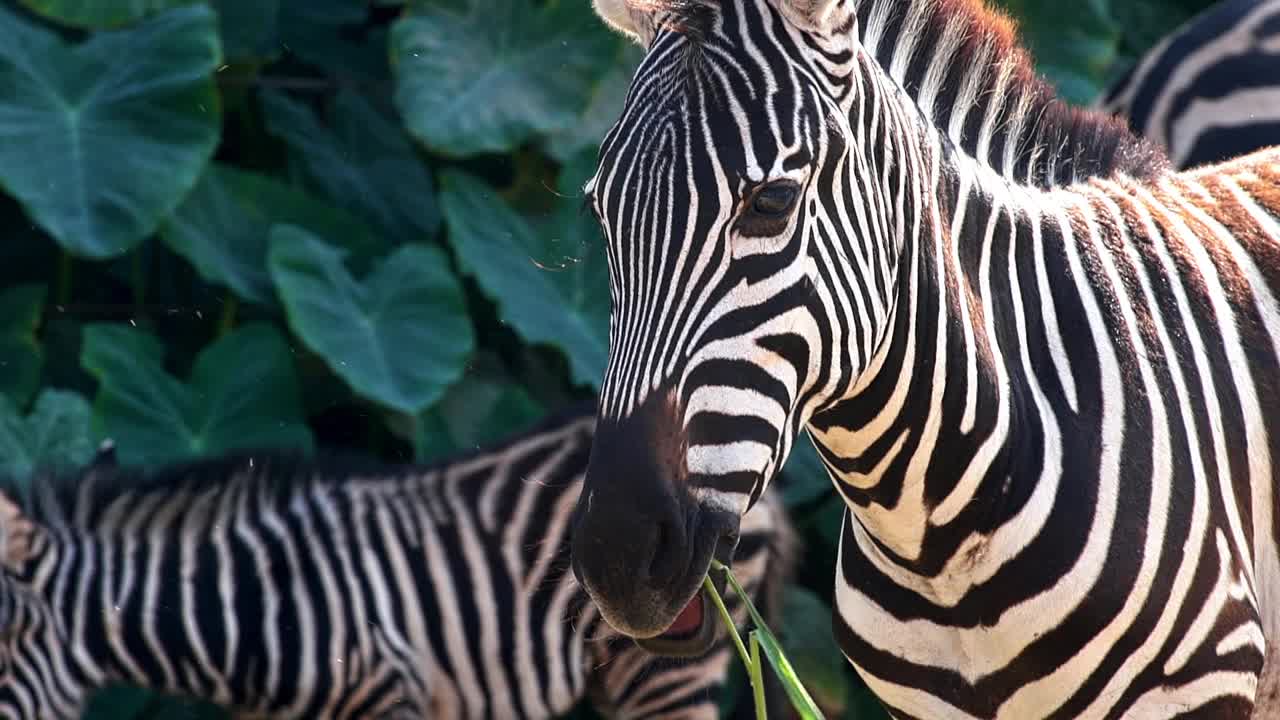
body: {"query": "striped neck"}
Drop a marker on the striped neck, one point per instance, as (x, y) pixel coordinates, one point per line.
(929, 441)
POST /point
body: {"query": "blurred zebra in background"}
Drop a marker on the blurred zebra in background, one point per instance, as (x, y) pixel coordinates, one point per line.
(1210, 91)
(286, 588)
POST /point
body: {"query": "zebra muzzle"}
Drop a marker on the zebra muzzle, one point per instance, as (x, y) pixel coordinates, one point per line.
(694, 630)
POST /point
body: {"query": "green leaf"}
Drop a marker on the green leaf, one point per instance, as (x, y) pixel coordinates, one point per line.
(55, 434)
(813, 650)
(399, 338)
(20, 356)
(1073, 43)
(242, 394)
(104, 139)
(482, 408)
(249, 28)
(222, 228)
(807, 478)
(122, 702)
(552, 288)
(336, 36)
(782, 667)
(603, 108)
(489, 76)
(99, 13)
(361, 161)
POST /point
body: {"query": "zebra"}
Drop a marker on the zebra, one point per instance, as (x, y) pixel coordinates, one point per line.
(1039, 365)
(1210, 91)
(283, 587)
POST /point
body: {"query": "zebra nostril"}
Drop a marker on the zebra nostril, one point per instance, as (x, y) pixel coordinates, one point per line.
(670, 553)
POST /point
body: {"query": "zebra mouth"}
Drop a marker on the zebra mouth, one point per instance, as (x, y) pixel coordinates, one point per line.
(693, 632)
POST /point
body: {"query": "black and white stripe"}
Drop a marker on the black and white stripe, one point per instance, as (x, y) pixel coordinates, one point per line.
(286, 588)
(1210, 91)
(1041, 366)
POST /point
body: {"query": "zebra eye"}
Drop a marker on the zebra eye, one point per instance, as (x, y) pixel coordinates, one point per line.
(775, 199)
(769, 211)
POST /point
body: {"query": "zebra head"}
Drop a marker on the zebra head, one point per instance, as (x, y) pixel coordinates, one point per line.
(33, 683)
(36, 679)
(724, 192)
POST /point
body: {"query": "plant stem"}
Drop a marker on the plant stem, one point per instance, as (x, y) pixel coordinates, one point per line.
(728, 621)
(756, 670)
(62, 288)
(415, 437)
(138, 279)
(746, 599)
(227, 320)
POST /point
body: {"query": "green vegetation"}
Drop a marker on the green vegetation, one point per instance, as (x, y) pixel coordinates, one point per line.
(345, 224)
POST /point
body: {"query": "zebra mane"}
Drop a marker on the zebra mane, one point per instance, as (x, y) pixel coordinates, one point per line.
(52, 497)
(1039, 138)
(1054, 142)
(691, 18)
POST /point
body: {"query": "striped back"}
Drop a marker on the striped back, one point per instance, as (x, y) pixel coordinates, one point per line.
(281, 587)
(1211, 90)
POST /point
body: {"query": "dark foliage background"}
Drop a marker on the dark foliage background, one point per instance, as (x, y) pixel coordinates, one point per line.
(344, 224)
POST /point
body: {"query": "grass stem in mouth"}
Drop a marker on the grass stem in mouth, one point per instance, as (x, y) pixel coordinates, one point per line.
(762, 639)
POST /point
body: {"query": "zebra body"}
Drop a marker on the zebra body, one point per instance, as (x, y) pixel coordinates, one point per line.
(284, 588)
(1211, 90)
(1040, 366)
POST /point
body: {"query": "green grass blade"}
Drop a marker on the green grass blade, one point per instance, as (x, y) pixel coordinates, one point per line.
(727, 619)
(796, 691)
(757, 676)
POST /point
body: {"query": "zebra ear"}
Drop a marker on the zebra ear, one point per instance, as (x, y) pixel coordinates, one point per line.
(818, 15)
(17, 533)
(625, 17)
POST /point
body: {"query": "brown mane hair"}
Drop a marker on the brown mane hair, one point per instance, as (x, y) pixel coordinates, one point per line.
(1054, 141)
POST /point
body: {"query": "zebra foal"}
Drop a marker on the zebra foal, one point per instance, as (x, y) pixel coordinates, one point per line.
(284, 588)
(1041, 367)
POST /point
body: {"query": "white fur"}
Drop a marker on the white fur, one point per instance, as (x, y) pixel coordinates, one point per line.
(618, 15)
(816, 15)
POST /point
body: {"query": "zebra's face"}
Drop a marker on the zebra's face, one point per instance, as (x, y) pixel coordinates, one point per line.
(34, 678)
(714, 192)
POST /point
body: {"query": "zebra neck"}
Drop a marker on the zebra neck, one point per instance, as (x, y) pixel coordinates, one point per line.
(930, 444)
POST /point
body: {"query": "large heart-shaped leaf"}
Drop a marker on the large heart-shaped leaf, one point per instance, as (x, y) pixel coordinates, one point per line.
(250, 28)
(602, 110)
(361, 161)
(99, 13)
(20, 356)
(103, 140)
(399, 338)
(55, 434)
(551, 286)
(486, 77)
(483, 407)
(336, 35)
(242, 393)
(222, 228)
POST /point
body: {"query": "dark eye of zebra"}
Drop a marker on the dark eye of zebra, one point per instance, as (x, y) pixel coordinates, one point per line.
(776, 198)
(770, 209)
